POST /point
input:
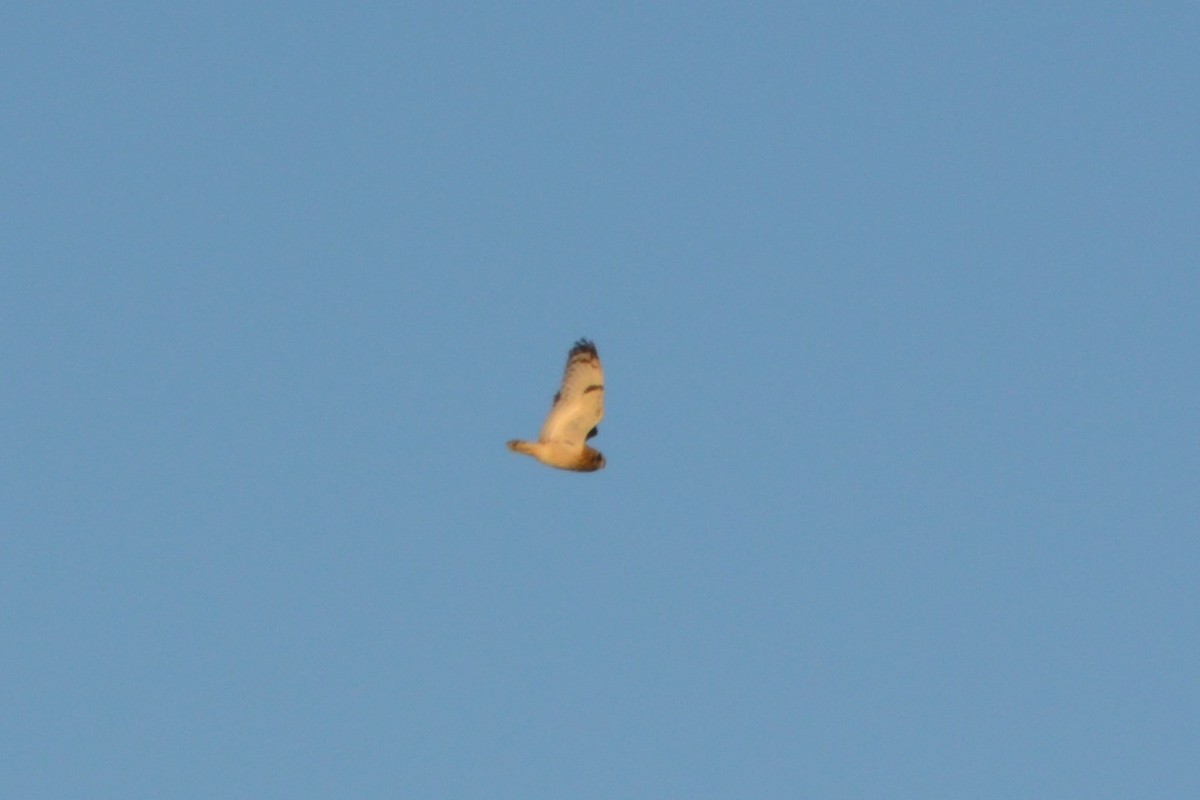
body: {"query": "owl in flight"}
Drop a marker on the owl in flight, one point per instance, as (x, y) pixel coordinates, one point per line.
(577, 410)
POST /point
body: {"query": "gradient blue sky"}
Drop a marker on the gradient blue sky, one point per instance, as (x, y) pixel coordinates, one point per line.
(898, 309)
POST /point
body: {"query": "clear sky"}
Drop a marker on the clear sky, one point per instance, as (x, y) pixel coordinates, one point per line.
(898, 311)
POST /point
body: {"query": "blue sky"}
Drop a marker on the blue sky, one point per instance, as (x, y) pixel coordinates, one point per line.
(898, 311)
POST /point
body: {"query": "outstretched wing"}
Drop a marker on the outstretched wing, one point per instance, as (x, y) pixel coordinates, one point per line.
(579, 405)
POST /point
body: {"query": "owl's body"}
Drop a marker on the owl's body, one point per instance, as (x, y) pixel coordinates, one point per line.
(577, 410)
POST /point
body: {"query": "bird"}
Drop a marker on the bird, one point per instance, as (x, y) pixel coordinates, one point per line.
(574, 416)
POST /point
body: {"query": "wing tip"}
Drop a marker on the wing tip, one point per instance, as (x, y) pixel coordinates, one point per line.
(583, 346)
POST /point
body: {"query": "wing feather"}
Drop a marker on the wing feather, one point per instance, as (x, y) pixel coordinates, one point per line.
(579, 405)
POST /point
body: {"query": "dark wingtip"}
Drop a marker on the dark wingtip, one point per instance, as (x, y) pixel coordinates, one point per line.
(584, 346)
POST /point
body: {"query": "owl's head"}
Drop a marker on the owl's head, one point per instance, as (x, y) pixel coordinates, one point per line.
(592, 460)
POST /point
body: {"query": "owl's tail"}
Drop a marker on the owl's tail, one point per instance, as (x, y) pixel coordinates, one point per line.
(517, 446)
